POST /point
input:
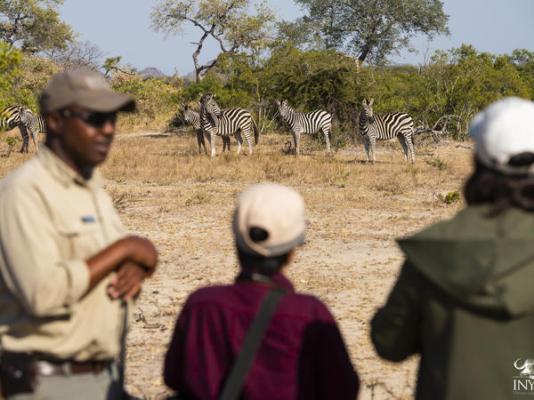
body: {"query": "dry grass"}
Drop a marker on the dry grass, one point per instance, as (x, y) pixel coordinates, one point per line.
(183, 201)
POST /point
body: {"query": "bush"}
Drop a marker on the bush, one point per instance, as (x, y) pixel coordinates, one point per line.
(10, 60)
(156, 100)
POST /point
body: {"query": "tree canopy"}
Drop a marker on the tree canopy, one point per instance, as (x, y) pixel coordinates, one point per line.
(368, 29)
(228, 22)
(33, 25)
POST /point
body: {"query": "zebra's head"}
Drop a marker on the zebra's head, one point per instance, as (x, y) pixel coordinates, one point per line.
(367, 109)
(209, 108)
(283, 108)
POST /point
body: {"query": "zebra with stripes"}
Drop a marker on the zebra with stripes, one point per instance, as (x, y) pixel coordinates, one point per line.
(217, 122)
(29, 124)
(191, 117)
(311, 122)
(375, 127)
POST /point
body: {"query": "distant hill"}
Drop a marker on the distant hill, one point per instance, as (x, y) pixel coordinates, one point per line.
(151, 72)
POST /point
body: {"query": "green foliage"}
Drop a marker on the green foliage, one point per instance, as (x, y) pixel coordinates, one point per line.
(111, 64)
(156, 98)
(225, 94)
(11, 142)
(367, 29)
(450, 197)
(317, 80)
(447, 91)
(36, 72)
(33, 25)
(10, 60)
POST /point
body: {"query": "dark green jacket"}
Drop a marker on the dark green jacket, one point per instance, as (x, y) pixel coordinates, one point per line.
(464, 301)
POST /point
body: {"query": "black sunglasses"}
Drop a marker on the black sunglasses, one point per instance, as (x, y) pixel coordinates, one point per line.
(93, 118)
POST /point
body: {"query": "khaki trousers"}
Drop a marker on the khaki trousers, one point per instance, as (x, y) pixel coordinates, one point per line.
(101, 386)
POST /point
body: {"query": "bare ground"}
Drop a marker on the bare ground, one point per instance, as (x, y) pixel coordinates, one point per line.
(183, 202)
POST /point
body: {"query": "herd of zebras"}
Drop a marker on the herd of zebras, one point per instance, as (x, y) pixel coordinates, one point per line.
(212, 121)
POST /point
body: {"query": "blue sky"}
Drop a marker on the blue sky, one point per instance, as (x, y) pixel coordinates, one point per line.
(122, 28)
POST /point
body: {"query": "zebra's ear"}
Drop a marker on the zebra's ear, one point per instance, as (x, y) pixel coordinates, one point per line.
(371, 101)
(364, 102)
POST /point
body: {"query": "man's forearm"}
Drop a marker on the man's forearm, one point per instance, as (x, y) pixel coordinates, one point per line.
(102, 264)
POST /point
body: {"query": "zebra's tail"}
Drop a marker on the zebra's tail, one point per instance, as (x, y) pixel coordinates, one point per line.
(256, 131)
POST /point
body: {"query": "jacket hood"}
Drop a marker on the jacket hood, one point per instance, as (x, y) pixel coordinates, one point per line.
(484, 261)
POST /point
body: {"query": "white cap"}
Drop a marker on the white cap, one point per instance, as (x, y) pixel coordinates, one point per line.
(275, 209)
(502, 130)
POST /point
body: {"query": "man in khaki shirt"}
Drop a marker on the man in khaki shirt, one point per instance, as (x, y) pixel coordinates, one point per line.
(66, 263)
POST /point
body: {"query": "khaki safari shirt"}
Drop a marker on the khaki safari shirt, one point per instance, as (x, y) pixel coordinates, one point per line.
(51, 221)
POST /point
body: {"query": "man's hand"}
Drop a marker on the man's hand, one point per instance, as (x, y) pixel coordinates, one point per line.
(135, 250)
(126, 284)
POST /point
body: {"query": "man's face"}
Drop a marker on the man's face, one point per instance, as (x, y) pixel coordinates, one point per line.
(86, 136)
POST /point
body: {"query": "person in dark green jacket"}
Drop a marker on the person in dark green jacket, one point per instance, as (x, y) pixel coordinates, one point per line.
(464, 299)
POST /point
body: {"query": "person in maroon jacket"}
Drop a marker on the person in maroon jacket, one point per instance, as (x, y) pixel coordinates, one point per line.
(302, 354)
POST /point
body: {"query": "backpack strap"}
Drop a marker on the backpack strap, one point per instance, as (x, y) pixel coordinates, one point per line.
(238, 374)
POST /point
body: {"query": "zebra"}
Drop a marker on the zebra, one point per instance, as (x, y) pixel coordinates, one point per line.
(311, 122)
(29, 124)
(215, 121)
(192, 118)
(375, 127)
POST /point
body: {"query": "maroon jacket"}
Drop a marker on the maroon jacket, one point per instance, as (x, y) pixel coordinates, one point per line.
(302, 355)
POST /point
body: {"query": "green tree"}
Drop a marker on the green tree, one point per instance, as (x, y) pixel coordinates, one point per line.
(33, 25)
(10, 60)
(227, 22)
(370, 29)
(523, 60)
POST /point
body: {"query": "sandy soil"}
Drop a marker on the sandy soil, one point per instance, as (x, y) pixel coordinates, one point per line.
(350, 261)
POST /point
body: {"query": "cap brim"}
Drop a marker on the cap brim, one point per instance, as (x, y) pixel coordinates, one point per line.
(106, 101)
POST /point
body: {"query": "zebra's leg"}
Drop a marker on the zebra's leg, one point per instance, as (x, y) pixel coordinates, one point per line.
(409, 141)
(200, 141)
(249, 140)
(34, 135)
(296, 139)
(239, 141)
(326, 133)
(211, 140)
(373, 146)
(203, 141)
(367, 144)
(25, 138)
(403, 141)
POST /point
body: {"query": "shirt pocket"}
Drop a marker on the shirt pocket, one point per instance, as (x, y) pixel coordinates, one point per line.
(80, 240)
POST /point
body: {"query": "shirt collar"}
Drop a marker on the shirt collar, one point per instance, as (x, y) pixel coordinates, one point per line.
(278, 279)
(64, 173)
